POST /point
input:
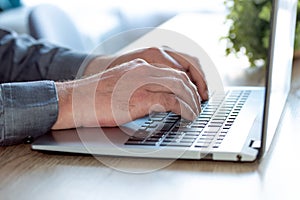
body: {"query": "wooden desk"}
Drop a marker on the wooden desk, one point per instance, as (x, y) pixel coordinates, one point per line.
(26, 174)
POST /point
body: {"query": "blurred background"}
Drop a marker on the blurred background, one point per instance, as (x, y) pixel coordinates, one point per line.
(243, 27)
(83, 24)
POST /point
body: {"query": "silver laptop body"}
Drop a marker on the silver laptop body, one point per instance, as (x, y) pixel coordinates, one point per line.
(237, 124)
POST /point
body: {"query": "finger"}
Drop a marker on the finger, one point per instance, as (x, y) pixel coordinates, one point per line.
(180, 82)
(176, 87)
(193, 69)
(195, 72)
(171, 102)
(193, 88)
(183, 76)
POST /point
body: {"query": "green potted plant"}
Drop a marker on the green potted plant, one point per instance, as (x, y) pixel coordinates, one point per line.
(250, 28)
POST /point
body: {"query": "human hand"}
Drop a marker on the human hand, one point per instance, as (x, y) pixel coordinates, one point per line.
(124, 93)
(160, 57)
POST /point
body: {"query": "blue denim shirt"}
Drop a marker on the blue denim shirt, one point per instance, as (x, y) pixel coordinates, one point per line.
(28, 97)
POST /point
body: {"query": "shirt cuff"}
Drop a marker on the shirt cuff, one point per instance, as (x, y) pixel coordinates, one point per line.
(27, 110)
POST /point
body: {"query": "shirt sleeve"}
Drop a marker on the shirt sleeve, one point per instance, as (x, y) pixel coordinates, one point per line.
(23, 58)
(27, 110)
(28, 97)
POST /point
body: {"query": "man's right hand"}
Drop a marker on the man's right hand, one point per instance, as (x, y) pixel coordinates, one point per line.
(124, 93)
(160, 57)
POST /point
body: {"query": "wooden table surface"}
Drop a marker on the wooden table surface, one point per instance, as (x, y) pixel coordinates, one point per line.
(27, 174)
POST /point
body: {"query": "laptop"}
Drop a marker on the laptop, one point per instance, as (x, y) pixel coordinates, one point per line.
(236, 124)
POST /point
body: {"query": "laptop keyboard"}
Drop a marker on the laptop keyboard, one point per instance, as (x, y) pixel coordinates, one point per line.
(207, 131)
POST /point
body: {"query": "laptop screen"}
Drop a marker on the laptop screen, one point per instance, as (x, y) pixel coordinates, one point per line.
(280, 65)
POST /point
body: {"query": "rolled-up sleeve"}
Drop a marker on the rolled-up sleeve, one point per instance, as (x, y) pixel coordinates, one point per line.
(27, 110)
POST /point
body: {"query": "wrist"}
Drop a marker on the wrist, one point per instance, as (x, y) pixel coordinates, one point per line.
(98, 65)
(65, 114)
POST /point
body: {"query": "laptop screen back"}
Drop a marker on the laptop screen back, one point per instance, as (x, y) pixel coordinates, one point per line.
(279, 66)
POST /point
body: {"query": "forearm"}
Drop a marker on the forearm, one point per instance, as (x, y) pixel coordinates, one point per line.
(26, 110)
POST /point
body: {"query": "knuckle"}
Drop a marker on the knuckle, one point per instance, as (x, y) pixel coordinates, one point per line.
(153, 50)
(139, 61)
(140, 64)
(195, 59)
(179, 83)
(182, 75)
(142, 68)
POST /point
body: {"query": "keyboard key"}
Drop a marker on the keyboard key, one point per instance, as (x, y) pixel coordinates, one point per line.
(171, 144)
(205, 116)
(197, 130)
(217, 121)
(214, 125)
(199, 123)
(192, 133)
(170, 121)
(209, 134)
(207, 138)
(203, 143)
(229, 121)
(166, 126)
(158, 134)
(186, 140)
(212, 130)
(201, 146)
(198, 126)
(207, 112)
(224, 131)
(175, 134)
(171, 138)
(222, 135)
(173, 115)
(136, 139)
(190, 137)
(153, 125)
(153, 139)
(220, 117)
(148, 143)
(203, 119)
(129, 142)
(157, 119)
(141, 134)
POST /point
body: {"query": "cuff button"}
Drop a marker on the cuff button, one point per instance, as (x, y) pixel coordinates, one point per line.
(28, 140)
